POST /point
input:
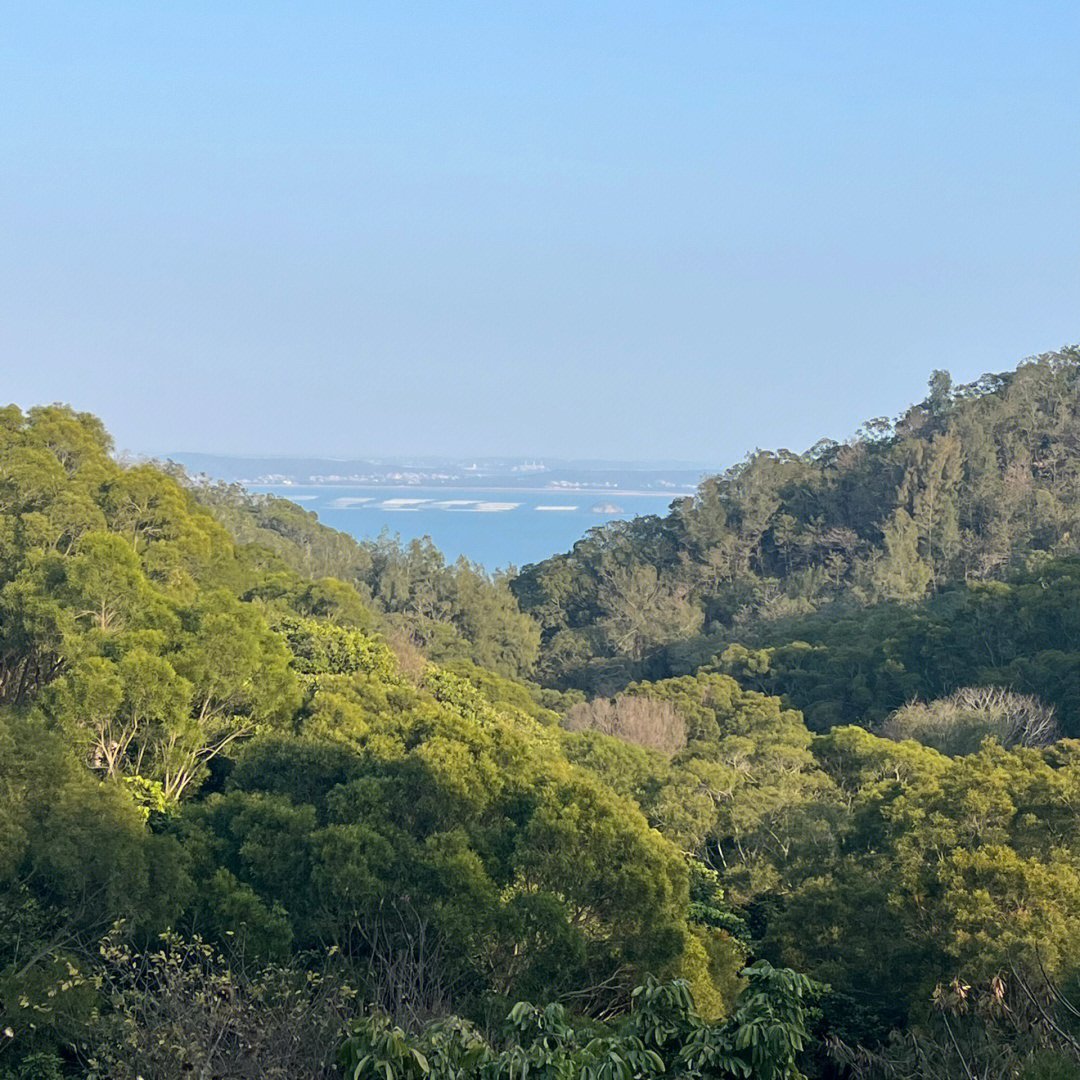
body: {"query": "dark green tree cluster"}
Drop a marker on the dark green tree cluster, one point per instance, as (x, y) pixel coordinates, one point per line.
(853, 664)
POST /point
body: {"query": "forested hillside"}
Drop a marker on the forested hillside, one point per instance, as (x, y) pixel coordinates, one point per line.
(782, 785)
(197, 741)
(452, 612)
(970, 486)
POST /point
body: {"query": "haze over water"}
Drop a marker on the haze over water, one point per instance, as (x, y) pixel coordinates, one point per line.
(496, 512)
(493, 528)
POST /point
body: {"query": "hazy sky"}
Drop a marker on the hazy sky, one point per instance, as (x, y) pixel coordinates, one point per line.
(622, 230)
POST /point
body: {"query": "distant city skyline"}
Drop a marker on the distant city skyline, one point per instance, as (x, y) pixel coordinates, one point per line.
(524, 463)
(603, 230)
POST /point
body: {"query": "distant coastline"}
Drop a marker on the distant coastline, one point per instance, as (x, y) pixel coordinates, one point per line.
(624, 492)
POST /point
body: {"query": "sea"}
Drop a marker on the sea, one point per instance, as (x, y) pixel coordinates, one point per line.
(495, 528)
(497, 512)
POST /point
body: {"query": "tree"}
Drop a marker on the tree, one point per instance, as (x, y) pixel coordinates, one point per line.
(180, 1010)
(641, 611)
(902, 573)
(649, 723)
(957, 724)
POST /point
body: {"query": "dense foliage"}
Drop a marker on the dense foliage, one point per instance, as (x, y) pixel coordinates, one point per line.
(195, 738)
(851, 664)
(969, 486)
(795, 793)
(661, 1036)
(452, 612)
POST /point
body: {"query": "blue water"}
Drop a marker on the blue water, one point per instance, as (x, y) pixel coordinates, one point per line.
(493, 527)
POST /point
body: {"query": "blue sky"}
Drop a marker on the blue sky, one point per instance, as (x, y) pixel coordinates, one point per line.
(618, 230)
